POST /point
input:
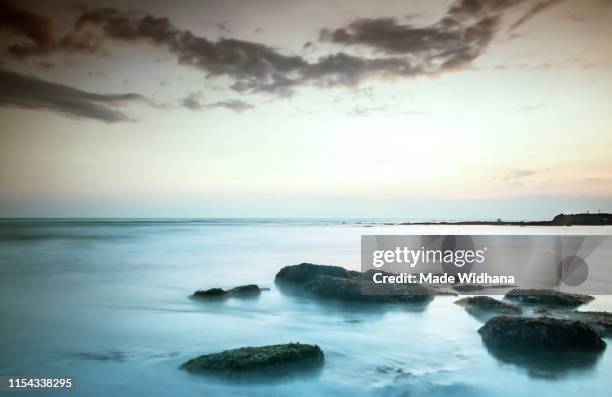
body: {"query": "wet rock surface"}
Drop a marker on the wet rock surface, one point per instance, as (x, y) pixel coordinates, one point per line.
(550, 298)
(350, 290)
(467, 288)
(219, 293)
(272, 359)
(599, 321)
(337, 283)
(540, 334)
(487, 304)
(305, 272)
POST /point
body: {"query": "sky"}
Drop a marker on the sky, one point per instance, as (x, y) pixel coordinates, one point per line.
(457, 109)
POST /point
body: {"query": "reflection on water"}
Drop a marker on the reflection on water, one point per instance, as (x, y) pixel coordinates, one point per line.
(107, 303)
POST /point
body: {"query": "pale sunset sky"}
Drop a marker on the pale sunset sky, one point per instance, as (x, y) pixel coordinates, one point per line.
(466, 109)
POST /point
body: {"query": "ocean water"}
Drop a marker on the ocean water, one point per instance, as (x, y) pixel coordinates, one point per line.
(106, 303)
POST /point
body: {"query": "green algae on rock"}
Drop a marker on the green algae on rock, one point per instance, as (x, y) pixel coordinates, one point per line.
(258, 360)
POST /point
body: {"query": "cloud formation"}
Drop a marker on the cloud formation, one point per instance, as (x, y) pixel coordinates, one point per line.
(456, 39)
(193, 102)
(36, 28)
(397, 50)
(235, 105)
(518, 174)
(29, 92)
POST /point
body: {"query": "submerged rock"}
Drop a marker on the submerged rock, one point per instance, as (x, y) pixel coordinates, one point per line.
(547, 297)
(543, 333)
(479, 304)
(216, 293)
(255, 360)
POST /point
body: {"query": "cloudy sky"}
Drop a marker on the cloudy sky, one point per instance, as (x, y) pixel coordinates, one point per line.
(328, 108)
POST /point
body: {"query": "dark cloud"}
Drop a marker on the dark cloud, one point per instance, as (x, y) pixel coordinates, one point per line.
(399, 50)
(459, 37)
(29, 92)
(241, 60)
(34, 27)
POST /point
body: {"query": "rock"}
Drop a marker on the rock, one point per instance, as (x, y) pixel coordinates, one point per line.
(467, 288)
(272, 359)
(542, 311)
(350, 290)
(334, 282)
(218, 293)
(599, 321)
(245, 290)
(547, 297)
(305, 272)
(210, 293)
(543, 333)
(476, 304)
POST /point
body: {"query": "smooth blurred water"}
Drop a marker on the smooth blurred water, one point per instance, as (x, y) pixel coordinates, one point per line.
(106, 303)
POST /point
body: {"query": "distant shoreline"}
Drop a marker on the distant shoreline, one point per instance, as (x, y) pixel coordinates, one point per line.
(599, 219)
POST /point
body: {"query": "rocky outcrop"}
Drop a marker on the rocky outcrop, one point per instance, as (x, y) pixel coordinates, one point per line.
(245, 290)
(545, 297)
(582, 219)
(468, 288)
(219, 293)
(305, 272)
(350, 290)
(599, 321)
(543, 334)
(337, 283)
(485, 304)
(272, 359)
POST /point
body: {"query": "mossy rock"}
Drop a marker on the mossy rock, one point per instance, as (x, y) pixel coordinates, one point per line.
(542, 334)
(258, 360)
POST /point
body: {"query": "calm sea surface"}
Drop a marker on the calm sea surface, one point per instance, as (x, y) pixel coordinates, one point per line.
(106, 303)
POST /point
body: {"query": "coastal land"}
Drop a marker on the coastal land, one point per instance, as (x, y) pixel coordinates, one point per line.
(586, 219)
